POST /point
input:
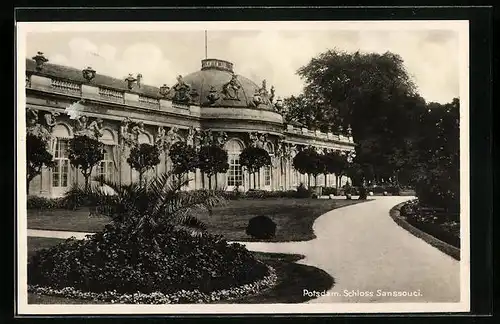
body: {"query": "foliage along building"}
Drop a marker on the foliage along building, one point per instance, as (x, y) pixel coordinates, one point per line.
(211, 105)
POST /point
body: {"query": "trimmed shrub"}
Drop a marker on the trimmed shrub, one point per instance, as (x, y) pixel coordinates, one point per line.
(42, 203)
(261, 227)
(77, 197)
(303, 192)
(116, 260)
(363, 194)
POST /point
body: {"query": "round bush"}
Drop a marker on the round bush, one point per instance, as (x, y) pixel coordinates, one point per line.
(167, 261)
(261, 227)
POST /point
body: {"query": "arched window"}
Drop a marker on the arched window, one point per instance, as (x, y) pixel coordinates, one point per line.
(268, 169)
(60, 172)
(144, 138)
(235, 172)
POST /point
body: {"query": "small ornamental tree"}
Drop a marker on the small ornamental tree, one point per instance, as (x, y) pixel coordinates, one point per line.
(254, 158)
(37, 157)
(308, 161)
(84, 153)
(184, 158)
(142, 158)
(212, 160)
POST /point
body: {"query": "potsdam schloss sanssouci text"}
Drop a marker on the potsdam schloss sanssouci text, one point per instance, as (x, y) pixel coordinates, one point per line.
(363, 293)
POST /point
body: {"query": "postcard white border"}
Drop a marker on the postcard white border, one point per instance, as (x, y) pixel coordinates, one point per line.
(23, 308)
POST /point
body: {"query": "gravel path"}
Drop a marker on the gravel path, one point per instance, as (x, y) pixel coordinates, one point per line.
(369, 255)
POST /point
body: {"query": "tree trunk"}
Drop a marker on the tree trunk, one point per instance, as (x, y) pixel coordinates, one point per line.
(140, 178)
(203, 180)
(210, 182)
(254, 181)
(28, 186)
(259, 178)
(216, 181)
(326, 182)
(86, 176)
(308, 181)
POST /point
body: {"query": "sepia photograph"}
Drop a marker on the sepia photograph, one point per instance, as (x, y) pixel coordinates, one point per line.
(242, 167)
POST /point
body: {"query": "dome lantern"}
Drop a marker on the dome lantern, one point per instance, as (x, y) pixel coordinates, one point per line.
(216, 64)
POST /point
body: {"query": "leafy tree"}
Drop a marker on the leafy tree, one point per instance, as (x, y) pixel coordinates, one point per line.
(294, 110)
(372, 93)
(334, 163)
(184, 158)
(212, 160)
(84, 153)
(308, 161)
(254, 158)
(143, 157)
(436, 173)
(37, 157)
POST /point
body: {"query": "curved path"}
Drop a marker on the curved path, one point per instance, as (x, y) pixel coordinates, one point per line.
(367, 254)
(364, 250)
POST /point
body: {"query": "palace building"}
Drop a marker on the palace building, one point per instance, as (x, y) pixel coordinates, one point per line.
(214, 104)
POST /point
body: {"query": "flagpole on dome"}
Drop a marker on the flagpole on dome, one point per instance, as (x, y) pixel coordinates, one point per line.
(206, 47)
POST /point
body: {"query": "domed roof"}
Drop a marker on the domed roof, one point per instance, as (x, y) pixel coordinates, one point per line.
(216, 85)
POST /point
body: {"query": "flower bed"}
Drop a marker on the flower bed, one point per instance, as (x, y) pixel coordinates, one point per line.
(117, 265)
(438, 223)
(157, 297)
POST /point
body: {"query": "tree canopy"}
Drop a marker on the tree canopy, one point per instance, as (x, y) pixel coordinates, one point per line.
(84, 153)
(142, 158)
(212, 160)
(372, 93)
(184, 157)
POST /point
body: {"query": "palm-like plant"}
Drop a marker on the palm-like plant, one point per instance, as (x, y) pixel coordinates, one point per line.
(159, 207)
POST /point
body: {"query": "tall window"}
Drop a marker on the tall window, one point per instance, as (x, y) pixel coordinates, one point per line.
(268, 169)
(60, 173)
(235, 172)
(267, 176)
(106, 168)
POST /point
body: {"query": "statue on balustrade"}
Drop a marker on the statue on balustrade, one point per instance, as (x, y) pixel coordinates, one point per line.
(181, 91)
(271, 96)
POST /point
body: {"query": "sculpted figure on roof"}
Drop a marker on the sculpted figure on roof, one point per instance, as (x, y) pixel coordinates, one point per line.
(231, 89)
(181, 91)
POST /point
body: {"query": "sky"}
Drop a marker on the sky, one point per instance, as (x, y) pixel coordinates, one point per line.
(431, 56)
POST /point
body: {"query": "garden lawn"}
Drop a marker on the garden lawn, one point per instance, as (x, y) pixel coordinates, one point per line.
(292, 279)
(294, 218)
